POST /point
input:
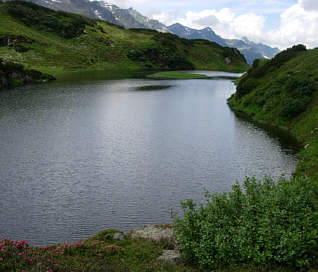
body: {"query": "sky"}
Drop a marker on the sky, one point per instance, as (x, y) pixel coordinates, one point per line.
(279, 23)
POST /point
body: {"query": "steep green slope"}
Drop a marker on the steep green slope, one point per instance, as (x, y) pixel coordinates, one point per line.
(284, 92)
(55, 41)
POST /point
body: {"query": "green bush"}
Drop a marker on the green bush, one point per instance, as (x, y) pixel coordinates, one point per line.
(160, 57)
(287, 55)
(300, 87)
(256, 63)
(292, 107)
(258, 223)
(246, 85)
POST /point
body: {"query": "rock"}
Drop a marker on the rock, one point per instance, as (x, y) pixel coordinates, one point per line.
(14, 75)
(3, 82)
(228, 60)
(118, 236)
(154, 233)
(14, 42)
(307, 146)
(171, 256)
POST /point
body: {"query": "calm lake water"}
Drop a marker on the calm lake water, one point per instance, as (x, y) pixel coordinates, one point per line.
(77, 158)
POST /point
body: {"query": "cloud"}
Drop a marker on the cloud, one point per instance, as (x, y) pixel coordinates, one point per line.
(224, 22)
(280, 23)
(298, 24)
(309, 5)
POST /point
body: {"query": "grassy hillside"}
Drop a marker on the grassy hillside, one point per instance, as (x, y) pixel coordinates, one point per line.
(55, 42)
(284, 92)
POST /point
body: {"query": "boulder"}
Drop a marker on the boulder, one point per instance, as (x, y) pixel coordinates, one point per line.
(228, 60)
(154, 233)
(171, 256)
(118, 236)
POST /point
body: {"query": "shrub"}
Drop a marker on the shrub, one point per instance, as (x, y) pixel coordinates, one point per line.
(159, 56)
(256, 63)
(300, 87)
(287, 55)
(246, 85)
(292, 107)
(258, 223)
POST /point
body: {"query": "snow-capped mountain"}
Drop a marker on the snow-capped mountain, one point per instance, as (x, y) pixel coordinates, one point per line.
(190, 33)
(249, 49)
(128, 18)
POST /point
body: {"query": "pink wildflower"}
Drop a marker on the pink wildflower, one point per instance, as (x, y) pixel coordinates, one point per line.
(1, 259)
(21, 253)
(111, 246)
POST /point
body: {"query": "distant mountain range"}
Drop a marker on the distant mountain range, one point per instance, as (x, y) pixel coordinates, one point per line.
(249, 49)
(130, 18)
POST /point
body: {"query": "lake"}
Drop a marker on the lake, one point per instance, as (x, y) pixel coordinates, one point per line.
(77, 158)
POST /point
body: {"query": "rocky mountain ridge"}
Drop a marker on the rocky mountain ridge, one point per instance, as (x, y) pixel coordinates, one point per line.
(249, 49)
(128, 18)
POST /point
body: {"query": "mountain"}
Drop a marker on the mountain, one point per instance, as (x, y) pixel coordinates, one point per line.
(131, 18)
(249, 49)
(56, 42)
(252, 50)
(189, 33)
(128, 18)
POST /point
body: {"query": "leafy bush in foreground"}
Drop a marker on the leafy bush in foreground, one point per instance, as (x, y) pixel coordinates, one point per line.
(260, 222)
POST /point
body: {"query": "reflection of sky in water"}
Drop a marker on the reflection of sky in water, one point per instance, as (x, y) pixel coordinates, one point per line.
(78, 158)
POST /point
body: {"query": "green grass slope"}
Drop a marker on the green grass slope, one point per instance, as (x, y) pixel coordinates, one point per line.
(55, 42)
(284, 92)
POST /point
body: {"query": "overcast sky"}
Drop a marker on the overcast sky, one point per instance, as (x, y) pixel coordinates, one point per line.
(280, 23)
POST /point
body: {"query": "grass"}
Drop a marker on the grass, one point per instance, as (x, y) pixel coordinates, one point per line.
(98, 45)
(98, 253)
(177, 75)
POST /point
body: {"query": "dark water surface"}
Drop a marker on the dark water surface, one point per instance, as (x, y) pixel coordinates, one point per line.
(77, 158)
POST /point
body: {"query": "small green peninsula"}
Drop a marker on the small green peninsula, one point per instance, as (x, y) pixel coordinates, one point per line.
(177, 75)
(56, 42)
